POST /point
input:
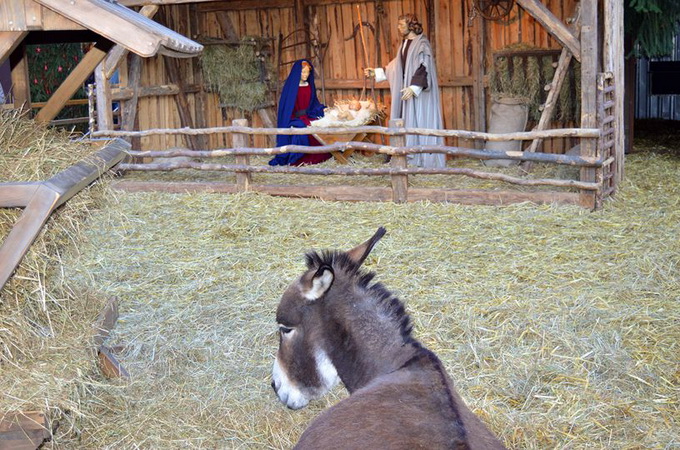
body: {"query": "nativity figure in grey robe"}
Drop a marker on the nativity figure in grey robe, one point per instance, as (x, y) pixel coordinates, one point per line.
(412, 76)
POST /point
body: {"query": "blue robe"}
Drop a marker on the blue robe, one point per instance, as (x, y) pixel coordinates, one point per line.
(284, 118)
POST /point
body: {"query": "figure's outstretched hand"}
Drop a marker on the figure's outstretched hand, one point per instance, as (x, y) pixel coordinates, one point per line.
(369, 72)
(407, 93)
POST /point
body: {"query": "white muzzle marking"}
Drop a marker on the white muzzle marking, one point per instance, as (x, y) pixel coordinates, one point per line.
(294, 397)
(287, 392)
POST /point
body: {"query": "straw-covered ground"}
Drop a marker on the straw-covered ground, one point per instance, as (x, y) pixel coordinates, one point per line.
(559, 326)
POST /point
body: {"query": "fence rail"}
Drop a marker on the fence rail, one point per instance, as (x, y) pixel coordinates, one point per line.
(590, 192)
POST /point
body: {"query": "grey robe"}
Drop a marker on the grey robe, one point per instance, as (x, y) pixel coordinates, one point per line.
(423, 111)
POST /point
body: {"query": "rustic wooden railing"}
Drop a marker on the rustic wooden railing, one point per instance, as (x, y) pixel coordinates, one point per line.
(398, 171)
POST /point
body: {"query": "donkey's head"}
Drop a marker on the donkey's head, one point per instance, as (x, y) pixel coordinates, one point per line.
(302, 369)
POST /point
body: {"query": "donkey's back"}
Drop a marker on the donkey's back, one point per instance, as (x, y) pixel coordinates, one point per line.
(414, 407)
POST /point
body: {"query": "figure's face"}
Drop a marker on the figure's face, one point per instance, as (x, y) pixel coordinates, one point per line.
(305, 72)
(402, 26)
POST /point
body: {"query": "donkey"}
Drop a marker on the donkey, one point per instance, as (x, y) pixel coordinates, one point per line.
(333, 323)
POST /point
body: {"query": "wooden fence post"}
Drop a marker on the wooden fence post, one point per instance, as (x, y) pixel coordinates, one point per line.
(243, 179)
(589, 69)
(399, 182)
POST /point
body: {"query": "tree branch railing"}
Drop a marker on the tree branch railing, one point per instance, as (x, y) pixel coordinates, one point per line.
(399, 171)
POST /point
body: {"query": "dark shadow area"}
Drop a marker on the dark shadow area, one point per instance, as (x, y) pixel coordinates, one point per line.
(658, 136)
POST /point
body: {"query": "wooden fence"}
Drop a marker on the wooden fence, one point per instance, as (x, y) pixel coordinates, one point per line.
(589, 193)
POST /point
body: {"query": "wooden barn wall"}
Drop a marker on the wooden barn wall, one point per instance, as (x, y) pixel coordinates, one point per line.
(454, 37)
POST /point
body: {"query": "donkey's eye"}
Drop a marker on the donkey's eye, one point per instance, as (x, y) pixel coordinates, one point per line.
(285, 330)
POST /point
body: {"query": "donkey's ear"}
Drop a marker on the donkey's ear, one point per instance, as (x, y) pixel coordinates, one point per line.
(321, 282)
(359, 253)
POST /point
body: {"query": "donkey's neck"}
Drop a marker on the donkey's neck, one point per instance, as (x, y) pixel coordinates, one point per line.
(368, 341)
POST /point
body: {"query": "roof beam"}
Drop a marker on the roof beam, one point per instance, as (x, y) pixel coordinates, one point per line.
(10, 40)
(552, 25)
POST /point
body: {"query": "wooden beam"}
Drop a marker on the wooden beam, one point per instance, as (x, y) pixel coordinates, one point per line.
(552, 25)
(478, 92)
(23, 430)
(118, 52)
(589, 69)
(614, 62)
(228, 30)
(399, 182)
(555, 86)
(103, 99)
(130, 106)
(48, 196)
(243, 179)
(358, 193)
(21, 92)
(186, 120)
(9, 41)
(73, 82)
(127, 93)
(16, 195)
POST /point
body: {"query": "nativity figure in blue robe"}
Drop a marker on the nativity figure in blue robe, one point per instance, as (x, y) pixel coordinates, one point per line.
(298, 106)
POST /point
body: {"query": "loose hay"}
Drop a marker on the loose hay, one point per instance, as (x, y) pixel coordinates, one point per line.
(45, 324)
(559, 326)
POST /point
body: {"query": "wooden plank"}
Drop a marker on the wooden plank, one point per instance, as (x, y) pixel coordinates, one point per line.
(52, 21)
(9, 41)
(589, 69)
(21, 92)
(130, 107)
(399, 182)
(118, 52)
(110, 365)
(228, 30)
(23, 430)
(12, 15)
(105, 322)
(357, 193)
(243, 180)
(103, 98)
(478, 93)
(186, 120)
(614, 62)
(25, 230)
(72, 180)
(73, 82)
(16, 195)
(49, 195)
(553, 25)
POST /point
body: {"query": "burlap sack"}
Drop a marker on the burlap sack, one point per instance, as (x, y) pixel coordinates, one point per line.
(508, 115)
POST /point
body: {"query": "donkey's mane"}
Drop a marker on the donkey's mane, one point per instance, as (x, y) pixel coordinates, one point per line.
(383, 298)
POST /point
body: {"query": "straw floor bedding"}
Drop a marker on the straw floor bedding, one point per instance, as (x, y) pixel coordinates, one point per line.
(559, 326)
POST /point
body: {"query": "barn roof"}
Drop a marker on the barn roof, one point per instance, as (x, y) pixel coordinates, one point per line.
(125, 27)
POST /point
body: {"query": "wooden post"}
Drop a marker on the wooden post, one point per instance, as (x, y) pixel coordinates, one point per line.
(399, 182)
(130, 108)
(589, 69)
(614, 62)
(479, 99)
(243, 179)
(103, 99)
(9, 41)
(21, 93)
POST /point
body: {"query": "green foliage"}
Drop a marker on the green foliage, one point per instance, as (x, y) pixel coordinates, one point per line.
(48, 67)
(652, 24)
